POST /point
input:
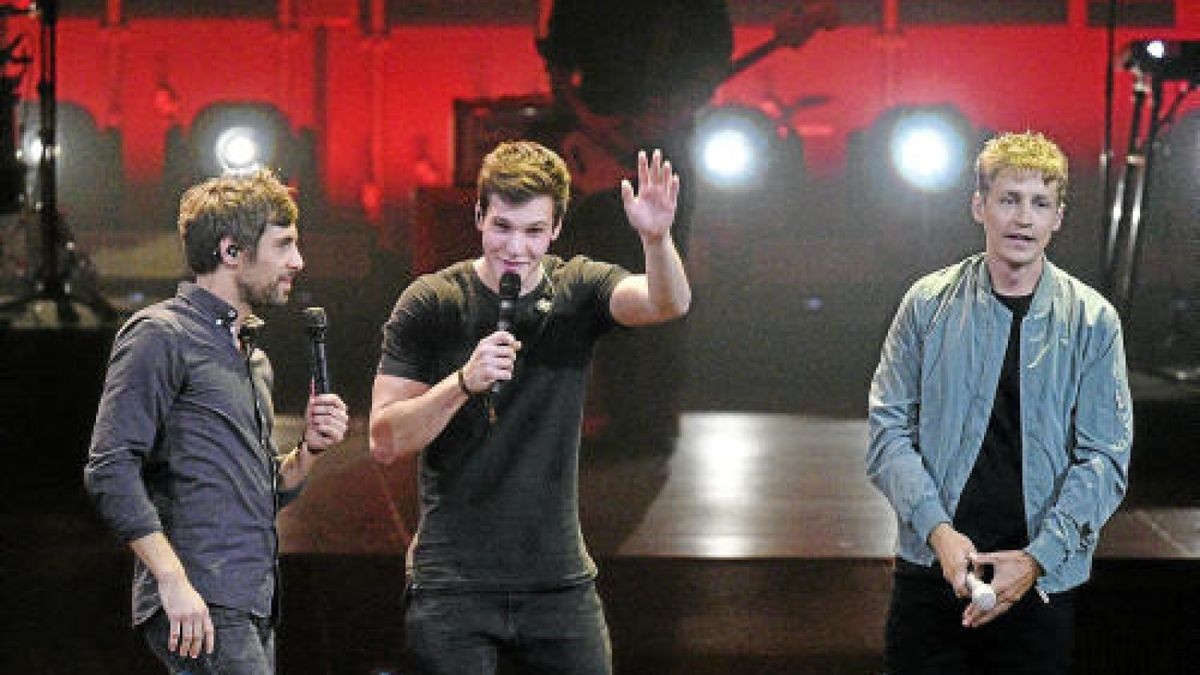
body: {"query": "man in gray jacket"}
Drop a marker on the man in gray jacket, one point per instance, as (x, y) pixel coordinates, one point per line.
(1001, 426)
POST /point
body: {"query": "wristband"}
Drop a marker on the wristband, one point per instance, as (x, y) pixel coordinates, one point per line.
(462, 384)
(304, 444)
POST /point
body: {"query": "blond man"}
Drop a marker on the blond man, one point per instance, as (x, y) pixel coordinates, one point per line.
(1000, 430)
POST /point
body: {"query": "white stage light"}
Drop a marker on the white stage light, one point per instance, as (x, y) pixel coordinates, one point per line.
(238, 150)
(928, 152)
(733, 147)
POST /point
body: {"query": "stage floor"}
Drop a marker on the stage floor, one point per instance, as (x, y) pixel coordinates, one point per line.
(751, 544)
(734, 486)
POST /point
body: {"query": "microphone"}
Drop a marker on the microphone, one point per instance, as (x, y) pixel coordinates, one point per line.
(982, 594)
(248, 334)
(315, 324)
(510, 288)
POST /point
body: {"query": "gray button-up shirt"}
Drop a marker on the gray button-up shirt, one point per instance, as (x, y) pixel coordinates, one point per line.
(182, 445)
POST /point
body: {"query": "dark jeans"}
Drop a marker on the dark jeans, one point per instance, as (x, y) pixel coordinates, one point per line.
(559, 631)
(245, 645)
(925, 636)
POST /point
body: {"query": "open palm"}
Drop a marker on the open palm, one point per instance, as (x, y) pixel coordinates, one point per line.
(652, 209)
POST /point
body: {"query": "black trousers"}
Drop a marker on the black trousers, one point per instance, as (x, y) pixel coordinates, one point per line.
(925, 636)
(559, 632)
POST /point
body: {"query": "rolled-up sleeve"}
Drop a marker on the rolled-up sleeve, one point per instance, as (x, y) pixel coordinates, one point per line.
(894, 464)
(143, 374)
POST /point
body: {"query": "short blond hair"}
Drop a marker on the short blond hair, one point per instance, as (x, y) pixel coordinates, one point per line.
(1028, 151)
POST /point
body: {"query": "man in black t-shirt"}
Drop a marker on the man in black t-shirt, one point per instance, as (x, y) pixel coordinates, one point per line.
(498, 562)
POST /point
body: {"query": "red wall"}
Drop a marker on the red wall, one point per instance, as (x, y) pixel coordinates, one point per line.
(1002, 77)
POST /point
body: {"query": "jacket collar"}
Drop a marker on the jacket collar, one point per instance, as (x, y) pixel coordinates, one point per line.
(1043, 293)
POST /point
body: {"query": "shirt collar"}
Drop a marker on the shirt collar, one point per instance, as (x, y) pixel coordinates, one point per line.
(221, 313)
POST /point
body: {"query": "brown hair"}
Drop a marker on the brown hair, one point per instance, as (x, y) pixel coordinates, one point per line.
(518, 171)
(237, 206)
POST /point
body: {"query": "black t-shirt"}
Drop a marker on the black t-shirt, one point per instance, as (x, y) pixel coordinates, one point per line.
(991, 511)
(499, 502)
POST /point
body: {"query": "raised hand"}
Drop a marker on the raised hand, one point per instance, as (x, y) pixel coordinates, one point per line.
(651, 210)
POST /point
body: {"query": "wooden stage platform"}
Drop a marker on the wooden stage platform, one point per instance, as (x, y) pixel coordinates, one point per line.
(751, 544)
(736, 486)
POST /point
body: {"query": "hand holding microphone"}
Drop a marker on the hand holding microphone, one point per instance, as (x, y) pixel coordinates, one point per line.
(315, 324)
(493, 362)
(510, 290)
(983, 595)
(1014, 574)
(326, 416)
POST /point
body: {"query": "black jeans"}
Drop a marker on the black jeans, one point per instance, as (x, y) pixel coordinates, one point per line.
(245, 645)
(925, 636)
(560, 631)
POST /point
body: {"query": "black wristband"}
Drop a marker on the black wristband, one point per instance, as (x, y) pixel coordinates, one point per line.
(462, 384)
(304, 444)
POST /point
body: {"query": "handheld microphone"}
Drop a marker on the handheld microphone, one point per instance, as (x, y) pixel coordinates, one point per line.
(248, 334)
(315, 324)
(510, 288)
(982, 594)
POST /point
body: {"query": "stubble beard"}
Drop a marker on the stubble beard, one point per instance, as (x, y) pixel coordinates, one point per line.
(265, 295)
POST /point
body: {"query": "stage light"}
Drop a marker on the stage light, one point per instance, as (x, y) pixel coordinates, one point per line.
(909, 180)
(239, 150)
(727, 154)
(89, 171)
(929, 151)
(733, 147)
(1165, 60)
(32, 148)
(241, 138)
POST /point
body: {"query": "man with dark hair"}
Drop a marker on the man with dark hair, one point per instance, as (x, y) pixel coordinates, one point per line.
(498, 562)
(182, 463)
(1001, 426)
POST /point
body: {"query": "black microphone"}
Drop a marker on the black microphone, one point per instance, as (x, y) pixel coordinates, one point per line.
(315, 324)
(248, 334)
(510, 288)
